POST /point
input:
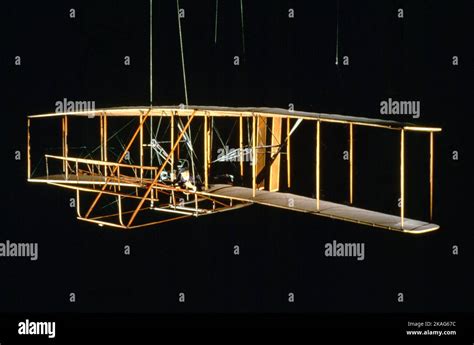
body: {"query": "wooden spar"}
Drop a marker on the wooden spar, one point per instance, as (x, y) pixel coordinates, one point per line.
(171, 154)
(275, 155)
(431, 173)
(261, 149)
(209, 144)
(65, 144)
(141, 148)
(101, 120)
(241, 145)
(119, 161)
(351, 163)
(288, 152)
(206, 172)
(254, 155)
(318, 148)
(159, 171)
(28, 149)
(402, 177)
(105, 140)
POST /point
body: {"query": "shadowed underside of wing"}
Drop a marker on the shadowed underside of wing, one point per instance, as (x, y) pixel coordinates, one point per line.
(327, 209)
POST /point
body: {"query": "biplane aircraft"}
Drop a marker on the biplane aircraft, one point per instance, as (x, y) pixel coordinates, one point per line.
(166, 168)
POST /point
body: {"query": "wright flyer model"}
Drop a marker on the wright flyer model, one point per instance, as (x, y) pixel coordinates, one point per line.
(158, 164)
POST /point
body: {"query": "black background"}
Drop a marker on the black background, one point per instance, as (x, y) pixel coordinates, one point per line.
(285, 61)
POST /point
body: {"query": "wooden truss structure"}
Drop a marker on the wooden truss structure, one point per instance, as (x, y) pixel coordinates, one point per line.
(264, 134)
